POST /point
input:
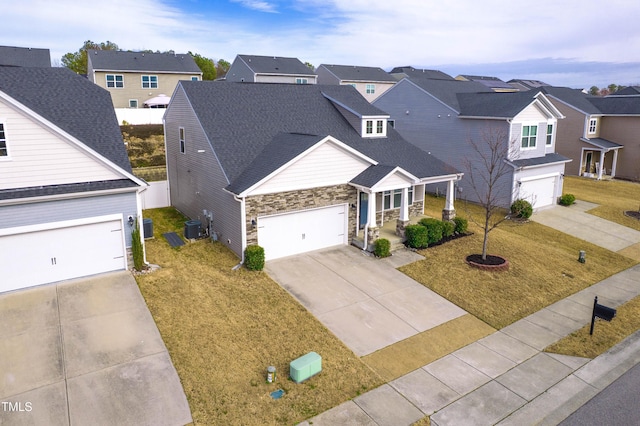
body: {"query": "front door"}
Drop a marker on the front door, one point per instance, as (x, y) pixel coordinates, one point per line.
(364, 209)
(588, 162)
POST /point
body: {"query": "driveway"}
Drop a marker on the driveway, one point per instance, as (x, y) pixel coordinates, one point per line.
(85, 352)
(364, 301)
(574, 220)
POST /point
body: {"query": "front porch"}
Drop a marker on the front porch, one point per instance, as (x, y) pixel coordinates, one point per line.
(388, 230)
(595, 161)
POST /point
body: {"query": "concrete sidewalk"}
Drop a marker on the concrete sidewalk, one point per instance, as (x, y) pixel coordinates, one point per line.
(504, 378)
(574, 220)
(83, 352)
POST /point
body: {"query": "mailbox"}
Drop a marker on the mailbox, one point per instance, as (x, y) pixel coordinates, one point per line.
(600, 311)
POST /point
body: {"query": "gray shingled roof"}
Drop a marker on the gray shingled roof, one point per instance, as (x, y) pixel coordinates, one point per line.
(447, 90)
(412, 72)
(72, 103)
(602, 143)
(357, 73)
(372, 175)
(617, 105)
(247, 134)
(71, 188)
(493, 104)
(490, 82)
(627, 91)
(574, 97)
(117, 60)
(539, 161)
(525, 84)
(276, 65)
(24, 57)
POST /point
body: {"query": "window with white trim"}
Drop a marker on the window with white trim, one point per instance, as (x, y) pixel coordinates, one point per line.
(194, 78)
(115, 80)
(549, 134)
(369, 127)
(4, 151)
(370, 89)
(393, 199)
(133, 103)
(149, 81)
(529, 135)
(182, 142)
(593, 126)
(379, 127)
(302, 81)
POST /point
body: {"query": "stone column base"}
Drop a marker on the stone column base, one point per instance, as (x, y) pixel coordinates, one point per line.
(400, 227)
(372, 235)
(448, 215)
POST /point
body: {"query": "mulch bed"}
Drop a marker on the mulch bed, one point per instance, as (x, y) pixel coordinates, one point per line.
(632, 213)
(491, 263)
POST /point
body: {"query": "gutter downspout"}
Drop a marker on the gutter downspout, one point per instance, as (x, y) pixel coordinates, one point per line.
(243, 226)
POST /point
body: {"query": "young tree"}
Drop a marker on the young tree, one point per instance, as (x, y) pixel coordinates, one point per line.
(206, 65)
(222, 67)
(77, 61)
(594, 91)
(485, 171)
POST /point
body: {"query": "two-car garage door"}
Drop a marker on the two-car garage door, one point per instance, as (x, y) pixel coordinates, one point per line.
(60, 251)
(302, 231)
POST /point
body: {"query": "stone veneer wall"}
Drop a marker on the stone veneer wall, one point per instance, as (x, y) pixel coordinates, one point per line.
(283, 202)
(415, 209)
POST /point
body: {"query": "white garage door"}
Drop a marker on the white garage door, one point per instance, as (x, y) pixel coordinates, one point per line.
(539, 192)
(299, 232)
(61, 253)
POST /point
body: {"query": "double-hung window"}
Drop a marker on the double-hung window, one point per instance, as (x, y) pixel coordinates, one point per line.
(529, 135)
(182, 142)
(115, 80)
(393, 199)
(549, 134)
(4, 152)
(370, 89)
(380, 127)
(593, 126)
(149, 81)
(369, 127)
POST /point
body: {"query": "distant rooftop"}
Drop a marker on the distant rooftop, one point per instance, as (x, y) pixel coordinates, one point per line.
(409, 71)
(522, 84)
(491, 82)
(24, 57)
(358, 73)
(118, 60)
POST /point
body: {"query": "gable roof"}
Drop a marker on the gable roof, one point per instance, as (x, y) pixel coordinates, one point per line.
(617, 105)
(412, 72)
(524, 84)
(575, 98)
(358, 73)
(117, 60)
(267, 125)
(72, 103)
(276, 65)
(490, 82)
(446, 91)
(24, 57)
(631, 90)
(498, 105)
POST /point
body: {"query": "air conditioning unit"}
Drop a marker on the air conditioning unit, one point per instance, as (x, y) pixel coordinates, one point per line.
(192, 229)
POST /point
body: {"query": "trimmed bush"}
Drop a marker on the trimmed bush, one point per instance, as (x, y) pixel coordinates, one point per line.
(447, 228)
(460, 225)
(417, 236)
(382, 247)
(434, 229)
(521, 209)
(254, 257)
(136, 248)
(567, 199)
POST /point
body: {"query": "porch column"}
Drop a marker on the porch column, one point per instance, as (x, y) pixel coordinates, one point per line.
(601, 165)
(371, 214)
(615, 163)
(403, 220)
(449, 212)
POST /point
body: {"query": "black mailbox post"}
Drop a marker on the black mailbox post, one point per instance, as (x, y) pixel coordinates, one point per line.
(601, 311)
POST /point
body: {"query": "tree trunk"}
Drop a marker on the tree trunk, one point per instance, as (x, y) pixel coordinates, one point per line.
(485, 240)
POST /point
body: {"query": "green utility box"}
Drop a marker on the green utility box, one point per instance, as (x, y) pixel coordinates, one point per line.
(305, 367)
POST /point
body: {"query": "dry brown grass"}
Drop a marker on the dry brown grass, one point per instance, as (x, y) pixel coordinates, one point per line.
(223, 328)
(543, 268)
(605, 335)
(614, 197)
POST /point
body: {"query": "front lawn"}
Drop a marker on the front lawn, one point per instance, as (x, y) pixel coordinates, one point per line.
(613, 196)
(223, 328)
(543, 268)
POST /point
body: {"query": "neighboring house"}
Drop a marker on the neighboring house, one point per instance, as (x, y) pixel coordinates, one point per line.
(292, 168)
(600, 134)
(133, 78)
(270, 69)
(630, 90)
(442, 116)
(369, 81)
(524, 85)
(493, 83)
(66, 187)
(24, 57)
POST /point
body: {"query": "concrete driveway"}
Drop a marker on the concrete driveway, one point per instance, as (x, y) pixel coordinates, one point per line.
(364, 301)
(574, 220)
(85, 352)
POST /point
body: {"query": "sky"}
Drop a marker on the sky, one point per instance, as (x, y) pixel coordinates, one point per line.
(574, 43)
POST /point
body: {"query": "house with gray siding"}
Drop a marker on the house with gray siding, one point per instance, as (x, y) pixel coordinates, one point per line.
(600, 134)
(67, 193)
(371, 82)
(445, 117)
(270, 69)
(292, 168)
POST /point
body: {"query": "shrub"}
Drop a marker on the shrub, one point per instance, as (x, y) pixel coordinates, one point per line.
(254, 257)
(382, 247)
(461, 224)
(447, 228)
(417, 236)
(434, 229)
(136, 248)
(567, 199)
(521, 209)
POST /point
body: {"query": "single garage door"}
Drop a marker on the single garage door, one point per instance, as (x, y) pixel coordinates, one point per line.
(302, 231)
(60, 253)
(539, 192)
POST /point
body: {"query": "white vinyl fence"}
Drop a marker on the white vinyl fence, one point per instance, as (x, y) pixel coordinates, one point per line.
(140, 115)
(156, 195)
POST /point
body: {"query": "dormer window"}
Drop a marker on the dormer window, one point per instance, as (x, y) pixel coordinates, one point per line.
(374, 127)
(369, 127)
(593, 126)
